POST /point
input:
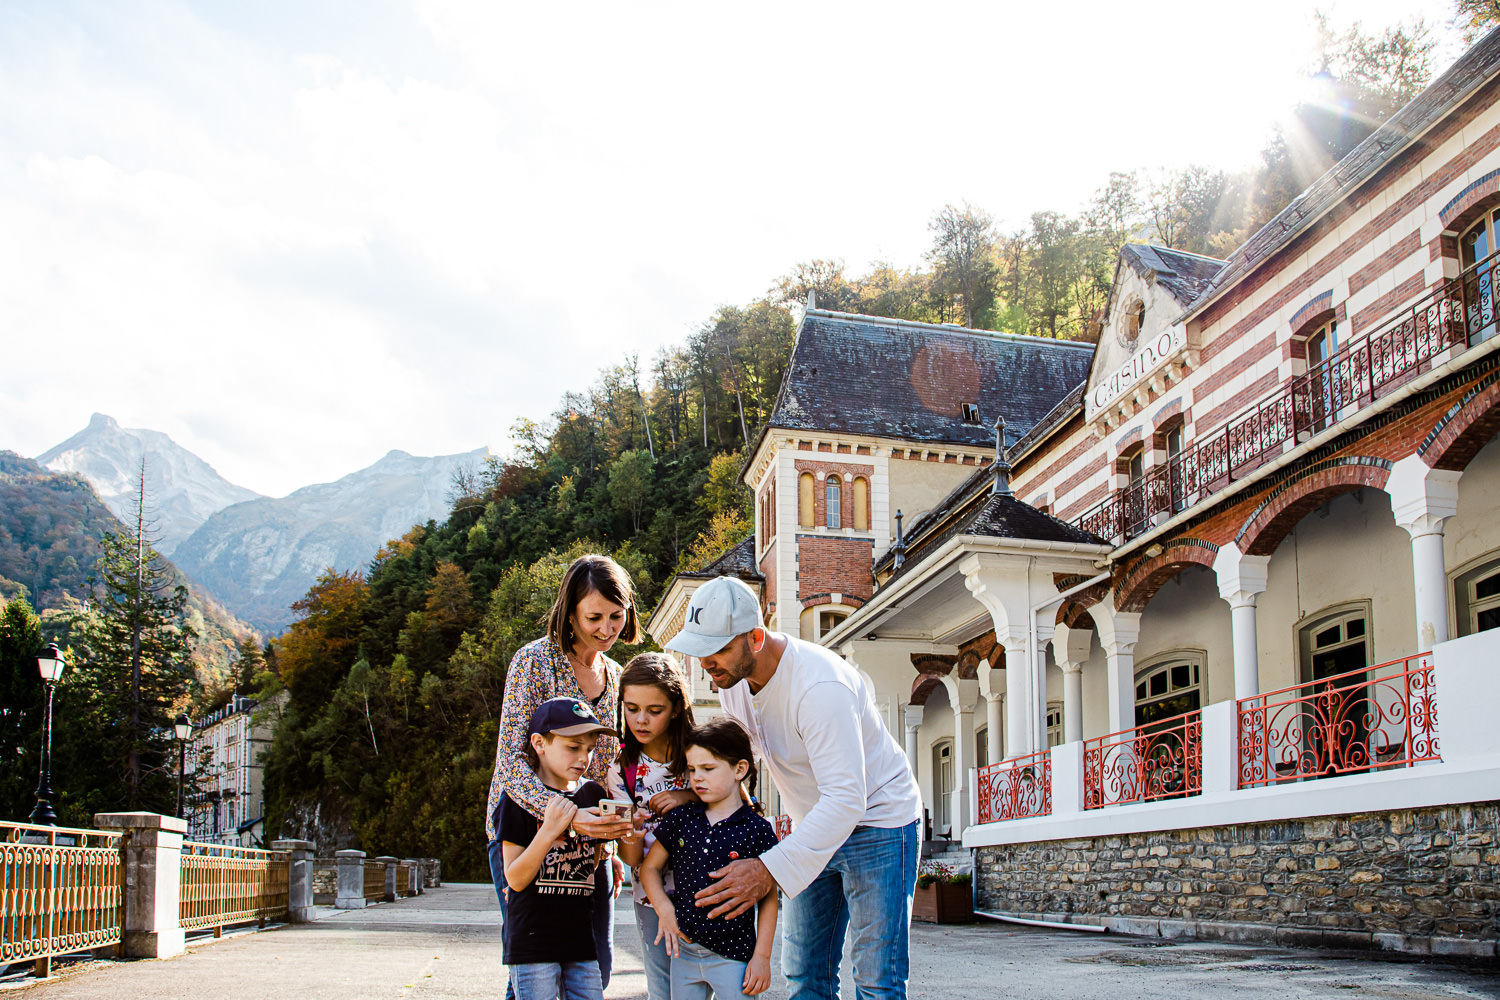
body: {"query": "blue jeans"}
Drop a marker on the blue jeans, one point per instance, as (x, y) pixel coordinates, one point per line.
(653, 956)
(867, 889)
(551, 981)
(697, 972)
(602, 917)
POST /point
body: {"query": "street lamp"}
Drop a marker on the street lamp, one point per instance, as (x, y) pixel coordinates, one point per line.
(184, 727)
(49, 664)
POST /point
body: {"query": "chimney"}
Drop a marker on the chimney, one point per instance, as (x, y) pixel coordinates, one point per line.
(1001, 469)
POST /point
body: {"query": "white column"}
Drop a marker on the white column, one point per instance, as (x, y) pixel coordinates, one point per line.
(1070, 648)
(1039, 687)
(1118, 633)
(992, 686)
(1017, 697)
(1422, 499)
(1242, 579)
(963, 694)
(913, 724)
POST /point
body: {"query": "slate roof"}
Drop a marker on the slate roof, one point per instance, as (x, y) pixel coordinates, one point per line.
(738, 561)
(1184, 275)
(1471, 71)
(896, 379)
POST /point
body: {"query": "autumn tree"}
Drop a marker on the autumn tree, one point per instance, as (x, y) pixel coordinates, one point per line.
(962, 257)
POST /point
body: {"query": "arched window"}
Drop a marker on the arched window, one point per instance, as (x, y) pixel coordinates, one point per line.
(805, 486)
(1135, 318)
(1475, 245)
(834, 512)
(861, 504)
(1169, 686)
(1476, 597)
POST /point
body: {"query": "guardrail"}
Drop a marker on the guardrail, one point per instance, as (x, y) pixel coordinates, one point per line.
(374, 881)
(61, 891)
(403, 879)
(1016, 788)
(1370, 719)
(1458, 313)
(1160, 760)
(224, 885)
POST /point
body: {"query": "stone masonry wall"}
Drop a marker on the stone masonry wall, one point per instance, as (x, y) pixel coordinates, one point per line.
(1422, 880)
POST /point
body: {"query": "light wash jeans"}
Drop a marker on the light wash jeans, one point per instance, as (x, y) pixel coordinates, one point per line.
(654, 956)
(866, 889)
(553, 981)
(603, 915)
(698, 973)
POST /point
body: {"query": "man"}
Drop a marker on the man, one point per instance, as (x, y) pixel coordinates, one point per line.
(850, 862)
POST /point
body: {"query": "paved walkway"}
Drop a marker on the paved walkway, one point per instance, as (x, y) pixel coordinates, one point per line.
(445, 944)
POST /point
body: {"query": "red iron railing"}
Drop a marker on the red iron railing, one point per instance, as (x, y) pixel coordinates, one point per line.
(1160, 760)
(783, 826)
(1016, 788)
(1364, 720)
(1457, 313)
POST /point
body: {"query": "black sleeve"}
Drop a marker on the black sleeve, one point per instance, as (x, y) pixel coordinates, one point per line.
(514, 824)
(589, 794)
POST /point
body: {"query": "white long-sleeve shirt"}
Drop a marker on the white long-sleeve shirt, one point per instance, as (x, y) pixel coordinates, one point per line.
(834, 763)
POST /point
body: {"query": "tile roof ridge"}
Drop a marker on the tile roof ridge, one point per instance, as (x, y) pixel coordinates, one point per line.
(893, 321)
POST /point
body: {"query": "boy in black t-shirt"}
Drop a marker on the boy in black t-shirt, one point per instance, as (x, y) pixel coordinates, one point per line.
(548, 937)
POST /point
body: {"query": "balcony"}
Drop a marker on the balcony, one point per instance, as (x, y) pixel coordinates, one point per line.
(1455, 316)
(1016, 788)
(1161, 760)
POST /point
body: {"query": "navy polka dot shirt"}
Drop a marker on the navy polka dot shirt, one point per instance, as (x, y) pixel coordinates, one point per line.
(697, 848)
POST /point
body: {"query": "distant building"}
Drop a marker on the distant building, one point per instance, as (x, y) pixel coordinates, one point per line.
(226, 798)
(1204, 647)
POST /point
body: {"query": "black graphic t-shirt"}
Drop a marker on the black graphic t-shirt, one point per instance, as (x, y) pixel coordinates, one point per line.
(548, 921)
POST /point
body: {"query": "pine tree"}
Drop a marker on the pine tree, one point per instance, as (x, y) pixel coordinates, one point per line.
(136, 649)
(20, 706)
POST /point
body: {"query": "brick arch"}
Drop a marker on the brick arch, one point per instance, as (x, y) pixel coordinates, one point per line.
(1466, 427)
(938, 664)
(1074, 614)
(1281, 509)
(1470, 203)
(1144, 578)
(968, 666)
(922, 688)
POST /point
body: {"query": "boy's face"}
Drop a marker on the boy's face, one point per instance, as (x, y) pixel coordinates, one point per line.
(564, 758)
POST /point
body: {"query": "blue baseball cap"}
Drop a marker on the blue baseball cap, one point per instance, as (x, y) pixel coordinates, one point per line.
(566, 717)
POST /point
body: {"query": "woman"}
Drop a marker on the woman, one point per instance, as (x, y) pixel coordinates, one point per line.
(595, 606)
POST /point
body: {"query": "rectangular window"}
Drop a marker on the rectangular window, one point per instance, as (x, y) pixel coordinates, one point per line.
(834, 519)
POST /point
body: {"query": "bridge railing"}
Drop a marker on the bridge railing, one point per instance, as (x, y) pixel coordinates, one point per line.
(61, 891)
(231, 885)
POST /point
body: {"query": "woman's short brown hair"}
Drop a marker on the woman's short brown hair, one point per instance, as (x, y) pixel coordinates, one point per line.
(593, 574)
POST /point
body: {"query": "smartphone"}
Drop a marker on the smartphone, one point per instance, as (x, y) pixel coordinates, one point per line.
(615, 807)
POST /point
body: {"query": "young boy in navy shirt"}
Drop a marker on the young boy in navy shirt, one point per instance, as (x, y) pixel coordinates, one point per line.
(723, 958)
(548, 937)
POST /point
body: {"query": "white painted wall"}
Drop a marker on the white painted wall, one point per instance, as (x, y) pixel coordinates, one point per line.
(915, 487)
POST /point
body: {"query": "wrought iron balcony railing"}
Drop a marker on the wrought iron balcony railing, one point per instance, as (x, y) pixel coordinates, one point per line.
(1016, 788)
(1364, 720)
(1160, 760)
(1459, 313)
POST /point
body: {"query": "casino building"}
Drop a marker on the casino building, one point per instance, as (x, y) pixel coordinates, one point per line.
(1190, 634)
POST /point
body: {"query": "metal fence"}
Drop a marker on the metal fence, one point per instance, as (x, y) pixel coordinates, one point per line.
(231, 885)
(61, 891)
(403, 880)
(1364, 720)
(1016, 789)
(1160, 760)
(374, 881)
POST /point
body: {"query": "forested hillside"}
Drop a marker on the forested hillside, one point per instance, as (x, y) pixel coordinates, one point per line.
(393, 678)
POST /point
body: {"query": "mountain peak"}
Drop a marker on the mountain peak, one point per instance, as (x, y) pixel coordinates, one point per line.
(103, 422)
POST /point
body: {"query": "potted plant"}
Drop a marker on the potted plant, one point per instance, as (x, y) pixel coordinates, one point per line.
(943, 896)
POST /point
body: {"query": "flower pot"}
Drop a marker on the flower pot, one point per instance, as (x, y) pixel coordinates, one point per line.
(943, 903)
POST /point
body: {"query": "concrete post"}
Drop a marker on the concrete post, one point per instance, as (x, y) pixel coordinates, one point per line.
(413, 875)
(1067, 778)
(1242, 579)
(1221, 748)
(1422, 499)
(153, 882)
(390, 877)
(299, 898)
(351, 880)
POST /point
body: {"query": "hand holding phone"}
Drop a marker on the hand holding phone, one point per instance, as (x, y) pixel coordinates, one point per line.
(612, 808)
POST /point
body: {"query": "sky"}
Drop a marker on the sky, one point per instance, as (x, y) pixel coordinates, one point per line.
(298, 234)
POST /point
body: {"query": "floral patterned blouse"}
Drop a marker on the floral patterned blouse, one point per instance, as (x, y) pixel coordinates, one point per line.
(540, 670)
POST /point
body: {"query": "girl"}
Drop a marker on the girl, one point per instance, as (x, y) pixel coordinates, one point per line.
(652, 773)
(724, 957)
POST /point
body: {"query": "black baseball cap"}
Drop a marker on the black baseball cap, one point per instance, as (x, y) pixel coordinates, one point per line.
(566, 717)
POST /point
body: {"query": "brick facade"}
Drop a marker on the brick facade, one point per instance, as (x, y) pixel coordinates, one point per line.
(832, 565)
(1419, 880)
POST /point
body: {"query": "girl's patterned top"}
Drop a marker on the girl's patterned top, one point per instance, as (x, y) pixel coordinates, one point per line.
(540, 670)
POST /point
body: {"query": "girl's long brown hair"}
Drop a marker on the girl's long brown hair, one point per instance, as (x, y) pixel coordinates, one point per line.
(657, 670)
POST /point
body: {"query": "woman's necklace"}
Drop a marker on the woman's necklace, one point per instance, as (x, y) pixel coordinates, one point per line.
(582, 670)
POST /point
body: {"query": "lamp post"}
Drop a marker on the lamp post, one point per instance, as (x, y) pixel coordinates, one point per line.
(184, 727)
(49, 664)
